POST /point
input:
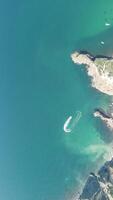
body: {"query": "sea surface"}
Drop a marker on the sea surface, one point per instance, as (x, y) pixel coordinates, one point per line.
(40, 87)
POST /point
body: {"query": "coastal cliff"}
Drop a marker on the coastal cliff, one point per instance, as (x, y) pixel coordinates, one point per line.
(99, 68)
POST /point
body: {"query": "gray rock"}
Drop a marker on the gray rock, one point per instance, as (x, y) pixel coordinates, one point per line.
(100, 186)
(106, 172)
(92, 187)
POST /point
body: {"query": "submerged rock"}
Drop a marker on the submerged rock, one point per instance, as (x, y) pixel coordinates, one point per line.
(92, 187)
(100, 186)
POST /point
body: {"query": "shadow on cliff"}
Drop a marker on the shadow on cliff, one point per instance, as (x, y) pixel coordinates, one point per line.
(94, 46)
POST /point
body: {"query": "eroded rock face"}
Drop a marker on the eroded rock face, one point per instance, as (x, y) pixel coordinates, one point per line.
(100, 186)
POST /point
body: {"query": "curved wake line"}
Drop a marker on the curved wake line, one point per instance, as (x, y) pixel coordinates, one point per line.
(67, 130)
(79, 114)
(66, 124)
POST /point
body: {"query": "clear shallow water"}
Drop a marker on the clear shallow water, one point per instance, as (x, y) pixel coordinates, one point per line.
(41, 87)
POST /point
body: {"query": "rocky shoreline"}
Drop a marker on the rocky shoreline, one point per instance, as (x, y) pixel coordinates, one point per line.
(100, 68)
(108, 119)
(99, 186)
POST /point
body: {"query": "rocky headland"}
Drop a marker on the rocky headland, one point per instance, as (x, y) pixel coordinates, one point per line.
(100, 68)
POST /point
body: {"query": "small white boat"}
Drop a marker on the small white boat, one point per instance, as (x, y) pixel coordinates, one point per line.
(102, 42)
(107, 24)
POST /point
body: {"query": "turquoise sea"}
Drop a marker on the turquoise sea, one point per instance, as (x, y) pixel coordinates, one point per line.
(40, 87)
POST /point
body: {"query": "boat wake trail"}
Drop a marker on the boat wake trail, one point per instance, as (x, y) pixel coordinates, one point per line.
(66, 129)
(73, 124)
(78, 116)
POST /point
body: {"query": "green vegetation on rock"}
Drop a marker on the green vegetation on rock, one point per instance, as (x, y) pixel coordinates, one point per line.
(104, 65)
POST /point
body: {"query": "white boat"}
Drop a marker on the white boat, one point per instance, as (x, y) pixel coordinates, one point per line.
(102, 42)
(107, 24)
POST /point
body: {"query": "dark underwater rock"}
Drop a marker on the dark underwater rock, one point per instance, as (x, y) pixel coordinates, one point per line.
(100, 186)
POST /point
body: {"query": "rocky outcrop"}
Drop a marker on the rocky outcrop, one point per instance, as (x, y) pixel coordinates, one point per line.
(108, 119)
(100, 68)
(100, 186)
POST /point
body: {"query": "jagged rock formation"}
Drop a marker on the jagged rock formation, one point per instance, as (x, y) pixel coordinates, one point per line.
(100, 68)
(100, 186)
(108, 119)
